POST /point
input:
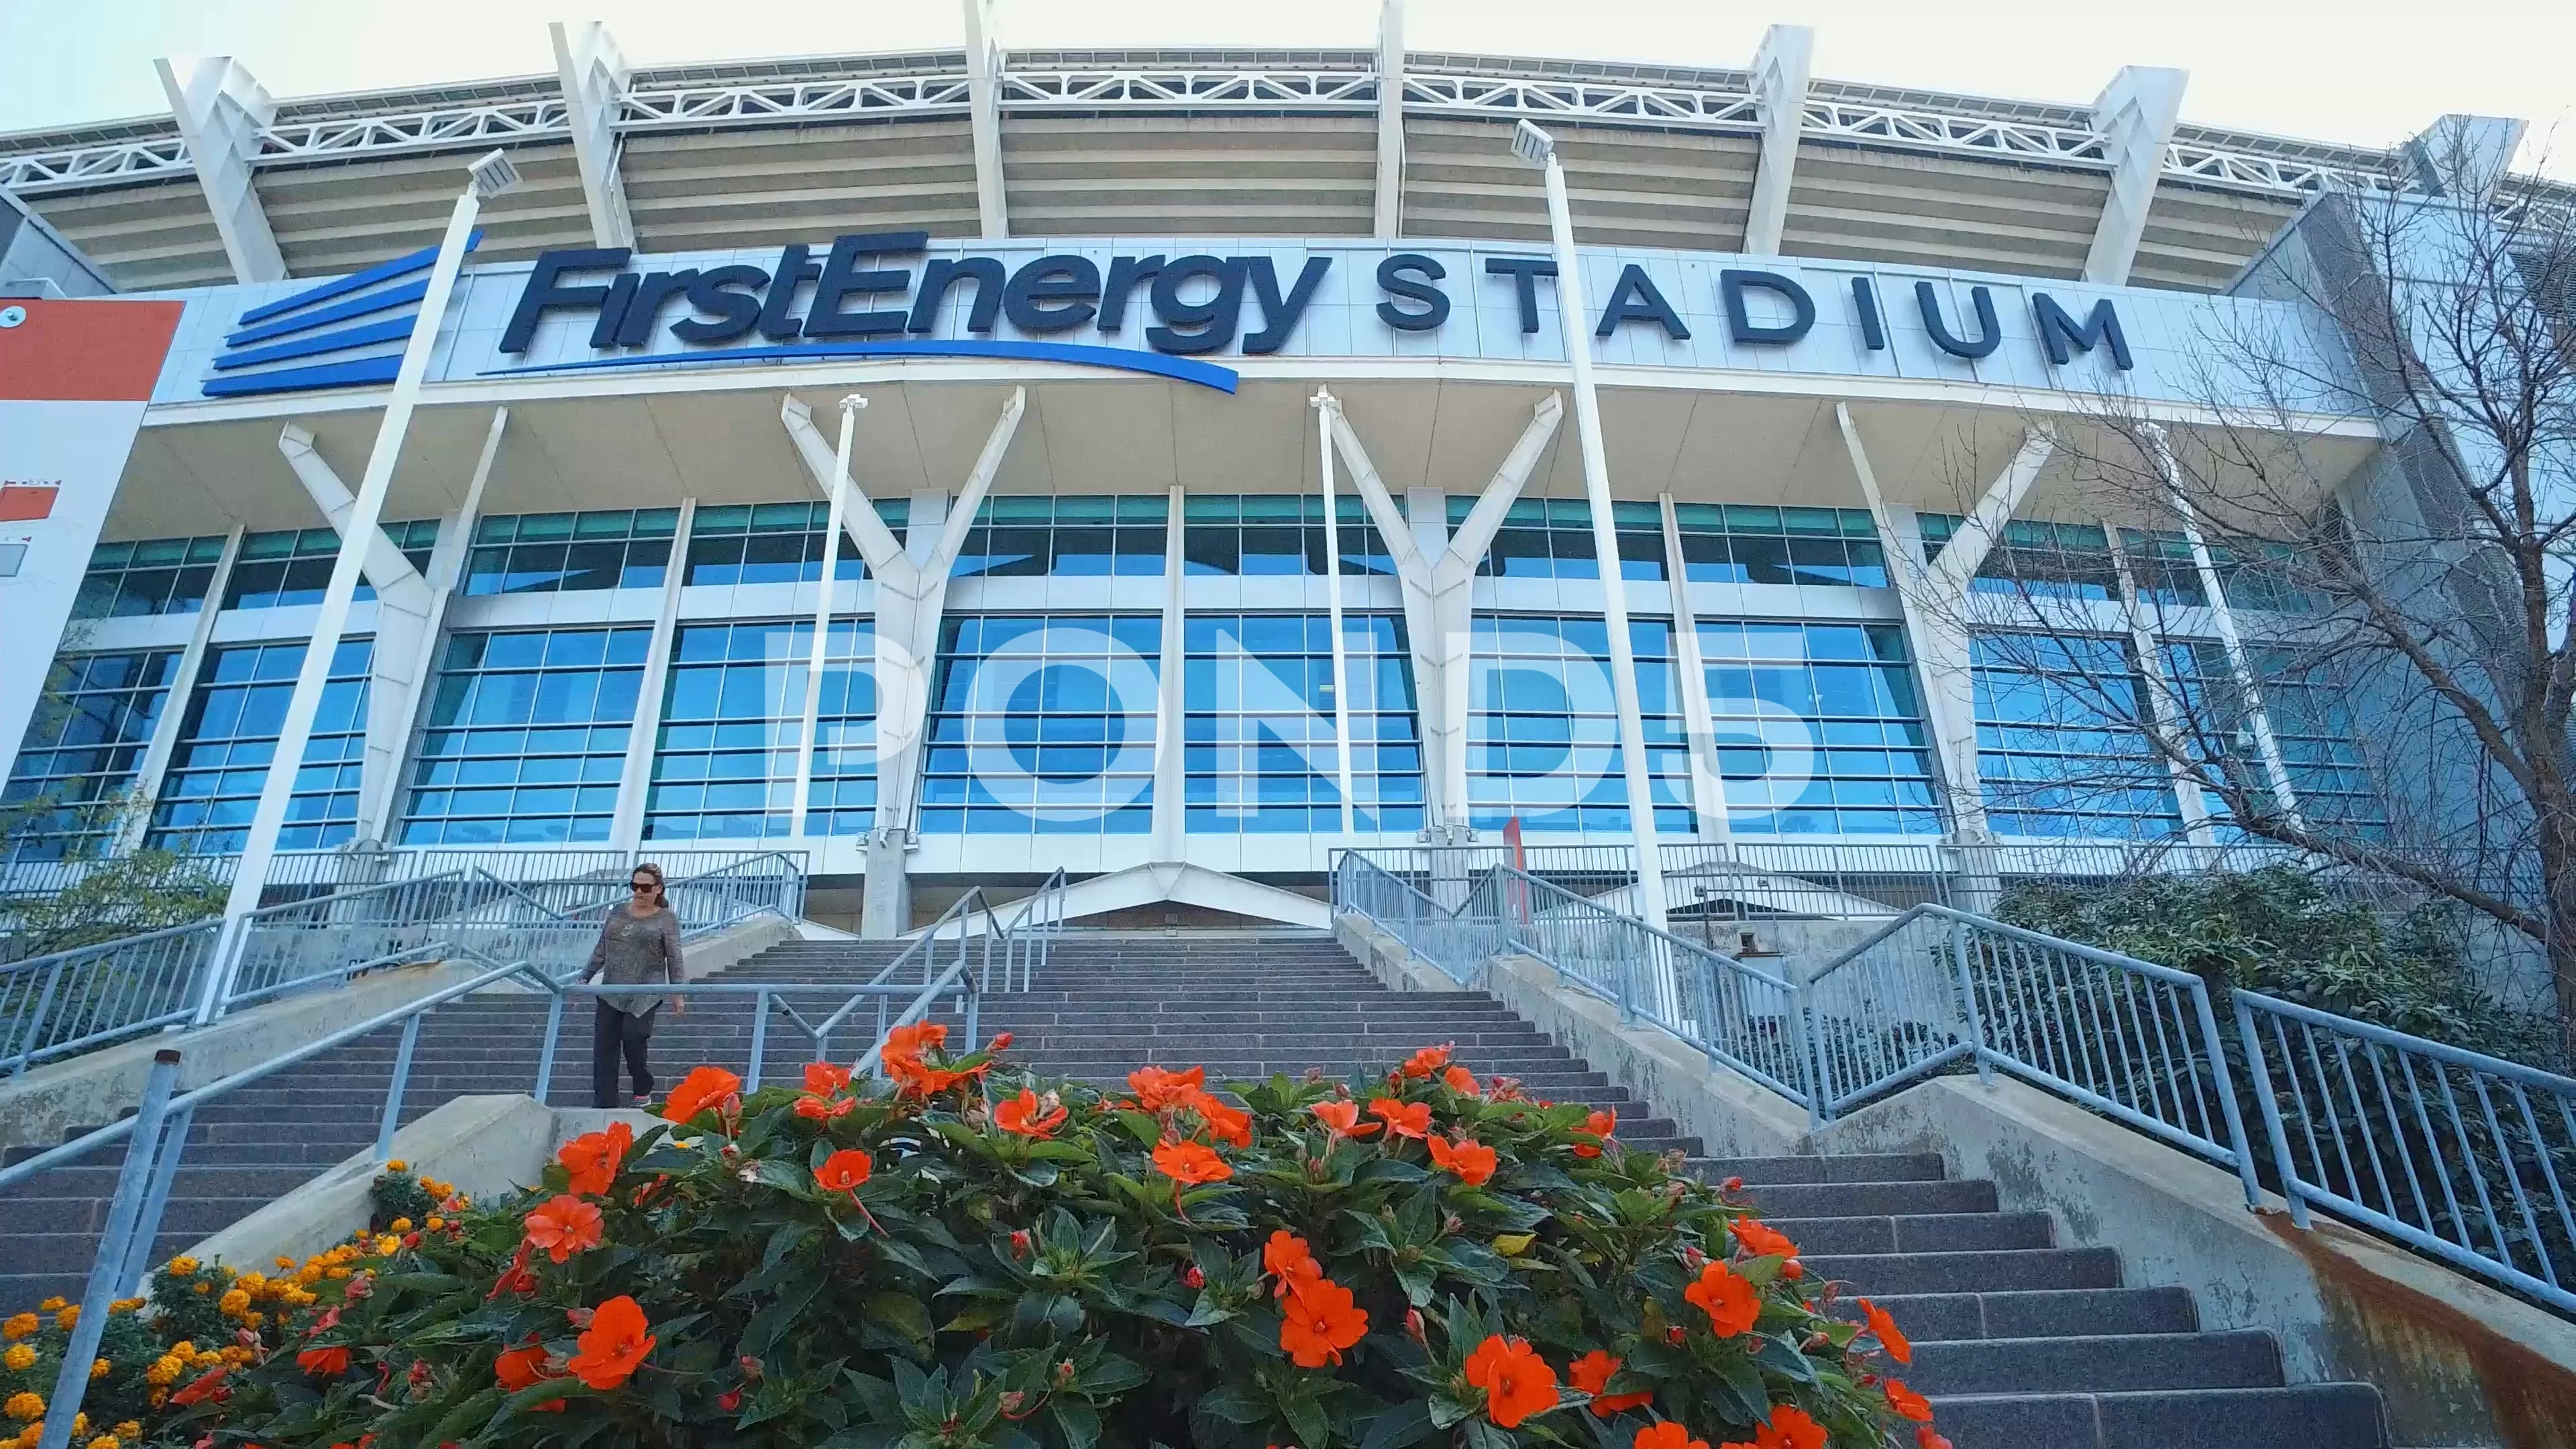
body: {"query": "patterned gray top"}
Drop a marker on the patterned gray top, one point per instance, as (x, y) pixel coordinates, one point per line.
(635, 949)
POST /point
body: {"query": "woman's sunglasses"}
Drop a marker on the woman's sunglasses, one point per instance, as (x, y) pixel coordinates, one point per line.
(641, 885)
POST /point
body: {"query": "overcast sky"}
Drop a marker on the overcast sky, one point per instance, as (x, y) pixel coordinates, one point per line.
(2361, 71)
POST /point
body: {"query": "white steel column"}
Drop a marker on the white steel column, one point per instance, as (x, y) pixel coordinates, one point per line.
(984, 118)
(1390, 119)
(446, 567)
(405, 604)
(1780, 77)
(1333, 606)
(635, 778)
(1574, 316)
(221, 109)
(183, 686)
(2160, 695)
(1171, 776)
(594, 74)
(1439, 603)
(2222, 618)
(491, 175)
(823, 601)
(1708, 783)
(910, 596)
(2135, 115)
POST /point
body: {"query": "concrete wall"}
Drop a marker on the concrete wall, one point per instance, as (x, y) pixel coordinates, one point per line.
(2457, 1362)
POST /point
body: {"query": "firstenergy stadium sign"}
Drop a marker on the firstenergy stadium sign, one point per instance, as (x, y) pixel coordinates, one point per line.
(876, 294)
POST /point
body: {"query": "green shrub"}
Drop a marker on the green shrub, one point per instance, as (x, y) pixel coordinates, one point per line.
(969, 1261)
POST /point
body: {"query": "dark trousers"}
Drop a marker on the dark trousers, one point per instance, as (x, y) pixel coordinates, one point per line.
(616, 1029)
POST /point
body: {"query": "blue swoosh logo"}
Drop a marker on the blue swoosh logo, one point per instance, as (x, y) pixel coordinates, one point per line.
(1122, 359)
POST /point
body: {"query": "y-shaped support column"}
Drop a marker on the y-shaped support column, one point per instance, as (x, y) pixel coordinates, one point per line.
(911, 596)
(1439, 610)
(405, 609)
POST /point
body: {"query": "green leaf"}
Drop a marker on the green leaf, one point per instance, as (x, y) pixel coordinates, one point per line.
(1306, 1416)
(1078, 1421)
(761, 1336)
(1143, 1126)
(1406, 1423)
(1234, 1406)
(1481, 1434)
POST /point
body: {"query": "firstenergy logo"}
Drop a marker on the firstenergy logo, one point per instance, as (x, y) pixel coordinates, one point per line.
(298, 343)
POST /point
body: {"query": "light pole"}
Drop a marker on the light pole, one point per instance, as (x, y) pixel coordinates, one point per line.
(488, 177)
(1537, 148)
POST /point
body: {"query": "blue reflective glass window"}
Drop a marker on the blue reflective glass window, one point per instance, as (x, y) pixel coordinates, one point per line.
(1818, 730)
(1552, 538)
(293, 566)
(520, 716)
(229, 735)
(1543, 731)
(2060, 751)
(775, 543)
(1745, 544)
(1277, 534)
(1259, 725)
(83, 747)
(1043, 724)
(544, 553)
(724, 765)
(1075, 536)
(148, 576)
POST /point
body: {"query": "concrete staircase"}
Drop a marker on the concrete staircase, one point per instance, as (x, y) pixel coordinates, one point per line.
(2021, 1344)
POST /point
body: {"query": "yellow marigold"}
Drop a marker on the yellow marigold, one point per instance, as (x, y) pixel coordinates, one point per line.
(20, 1357)
(105, 1441)
(164, 1371)
(205, 1287)
(285, 1262)
(183, 1265)
(65, 1319)
(251, 1282)
(401, 1225)
(388, 1244)
(237, 1355)
(338, 1273)
(50, 1305)
(234, 1303)
(127, 1305)
(397, 1165)
(436, 1222)
(24, 1405)
(128, 1429)
(19, 1326)
(98, 1368)
(31, 1436)
(254, 1320)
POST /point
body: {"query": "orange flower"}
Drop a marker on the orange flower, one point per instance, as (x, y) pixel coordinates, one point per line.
(1226, 1123)
(1790, 1428)
(1516, 1381)
(1884, 1329)
(1343, 1119)
(1318, 1320)
(521, 1367)
(1732, 1303)
(699, 1090)
(1592, 1373)
(205, 1387)
(844, 1170)
(1762, 1240)
(1461, 1081)
(593, 1158)
(1287, 1258)
(1190, 1162)
(1473, 1161)
(913, 1039)
(1025, 1115)
(1157, 1089)
(1404, 1119)
(1598, 1127)
(613, 1345)
(824, 1078)
(1427, 1061)
(1666, 1435)
(1907, 1402)
(824, 1109)
(1927, 1438)
(563, 1225)
(327, 1363)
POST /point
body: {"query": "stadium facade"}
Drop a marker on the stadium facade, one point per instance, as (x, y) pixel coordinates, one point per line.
(1219, 491)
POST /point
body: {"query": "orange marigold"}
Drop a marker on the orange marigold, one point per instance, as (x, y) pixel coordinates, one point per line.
(1343, 1119)
(1517, 1382)
(1472, 1161)
(844, 1170)
(1666, 1435)
(1404, 1119)
(1731, 1302)
(700, 1089)
(1925, 1437)
(613, 1345)
(824, 1078)
(1592, 1373)
(593, 1158)
(1026, 1115)
(1884, 1329)
(1318, 1320)
(1190, 1162)
(562, 1226)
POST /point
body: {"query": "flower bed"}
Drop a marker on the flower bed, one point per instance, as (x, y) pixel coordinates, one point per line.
(970, 1258)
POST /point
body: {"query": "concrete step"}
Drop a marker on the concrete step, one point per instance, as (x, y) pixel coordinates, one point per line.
(1918, 1233)
(1846, 1167)
(1871, 1199)
(2040, 1313)
(1980, 1271)
(2310, 1416)
(2097, 1363)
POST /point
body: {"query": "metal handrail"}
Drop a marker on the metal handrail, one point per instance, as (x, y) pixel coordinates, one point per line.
(2372, 1125)
(70, 1001)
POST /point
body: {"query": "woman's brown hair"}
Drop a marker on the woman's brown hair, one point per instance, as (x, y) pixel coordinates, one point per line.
(661, 895)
